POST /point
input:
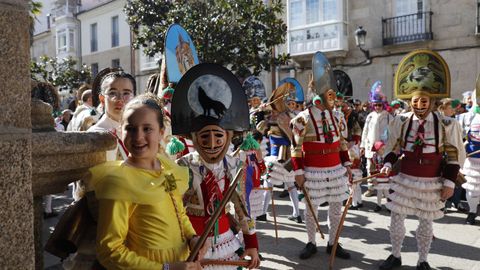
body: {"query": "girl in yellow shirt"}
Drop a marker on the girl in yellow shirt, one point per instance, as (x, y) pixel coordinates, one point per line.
(142, 222)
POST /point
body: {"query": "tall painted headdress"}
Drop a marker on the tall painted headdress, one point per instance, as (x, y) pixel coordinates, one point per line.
(254, 87)
(180, 52)
(376, 94)
(323, 74)
(298, 95)
(422, 72)
(209, 94)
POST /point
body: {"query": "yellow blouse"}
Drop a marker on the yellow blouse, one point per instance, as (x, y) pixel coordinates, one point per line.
(138, 226)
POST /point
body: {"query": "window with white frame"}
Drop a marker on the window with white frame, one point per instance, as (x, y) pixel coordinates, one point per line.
(61, 41)
(65, 40)
(115, 32)
(93, 37)
(316, 25)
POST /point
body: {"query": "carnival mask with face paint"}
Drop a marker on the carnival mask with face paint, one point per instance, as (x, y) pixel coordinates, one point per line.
(212, 142)
(330, 97)
(421, 106)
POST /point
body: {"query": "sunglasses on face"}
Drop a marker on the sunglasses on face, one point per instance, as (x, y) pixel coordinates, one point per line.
(378, 105)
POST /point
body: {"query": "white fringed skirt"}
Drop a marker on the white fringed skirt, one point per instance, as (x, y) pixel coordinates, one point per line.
(327, 184)
(418, 196)
(471, 170)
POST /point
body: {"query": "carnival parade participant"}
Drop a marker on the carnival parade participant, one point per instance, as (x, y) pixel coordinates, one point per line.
(251, 156)
(113, 88)
(142, 223)
(471, 167)
(280, 136)
(208, 106)
(355, 158)
(381, 183)
(466, 118)
(86, 112)
(320, 156)
(432, 150)
(375, 128)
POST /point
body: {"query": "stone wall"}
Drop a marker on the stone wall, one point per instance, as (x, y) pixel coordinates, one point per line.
(16, 205)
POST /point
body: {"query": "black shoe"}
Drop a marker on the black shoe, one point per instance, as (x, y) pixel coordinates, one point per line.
(378, 208)
(339, 253)
(283, 194)
(423, 266)
(390, 263)
(49, 215)
(360, 205)
(324, 204)
(354, 207)
(262, 218)
(308, 251)
(299, 219)
(471, 219)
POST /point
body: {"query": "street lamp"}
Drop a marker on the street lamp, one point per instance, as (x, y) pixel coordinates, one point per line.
(360, 35)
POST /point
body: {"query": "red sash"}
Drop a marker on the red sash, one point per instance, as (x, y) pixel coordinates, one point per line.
(428, 165)
(321, 154)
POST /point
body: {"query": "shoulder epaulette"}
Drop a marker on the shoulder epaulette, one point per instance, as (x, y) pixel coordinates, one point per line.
(446, 122)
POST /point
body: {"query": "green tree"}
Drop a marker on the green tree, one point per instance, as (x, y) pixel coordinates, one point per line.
(35, 8)
(238, 33)
(62, 73)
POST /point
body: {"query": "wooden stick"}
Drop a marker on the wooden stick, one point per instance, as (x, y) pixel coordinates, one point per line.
(268, 103)
(473, 153)
(339, 230)
(241, 263)
(274, 216)
(366, 178)
(214, 217)
(310, 206)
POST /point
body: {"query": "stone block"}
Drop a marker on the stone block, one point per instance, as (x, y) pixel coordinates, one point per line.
(16, 206)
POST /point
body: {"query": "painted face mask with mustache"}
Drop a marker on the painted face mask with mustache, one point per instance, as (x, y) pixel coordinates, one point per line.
(212, 142)
(421, 106)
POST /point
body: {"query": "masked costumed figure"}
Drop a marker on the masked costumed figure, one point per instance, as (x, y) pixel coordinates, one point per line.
(251, 156)
(375, 128)
(431, 149)
(320, 156)
(208, 106)
(280, 136)
(471, 168)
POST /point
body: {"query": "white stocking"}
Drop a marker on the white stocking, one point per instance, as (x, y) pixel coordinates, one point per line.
(379, 197)
(357, 195)
(424, 238)
(310, 223)
(292, 191)
(333, 220)
(472, 201)
(397, 232)
(268, 196)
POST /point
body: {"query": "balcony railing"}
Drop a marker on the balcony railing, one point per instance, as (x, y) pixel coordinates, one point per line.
(407, 28)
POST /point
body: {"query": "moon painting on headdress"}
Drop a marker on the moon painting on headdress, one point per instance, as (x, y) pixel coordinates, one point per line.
(205, 98)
